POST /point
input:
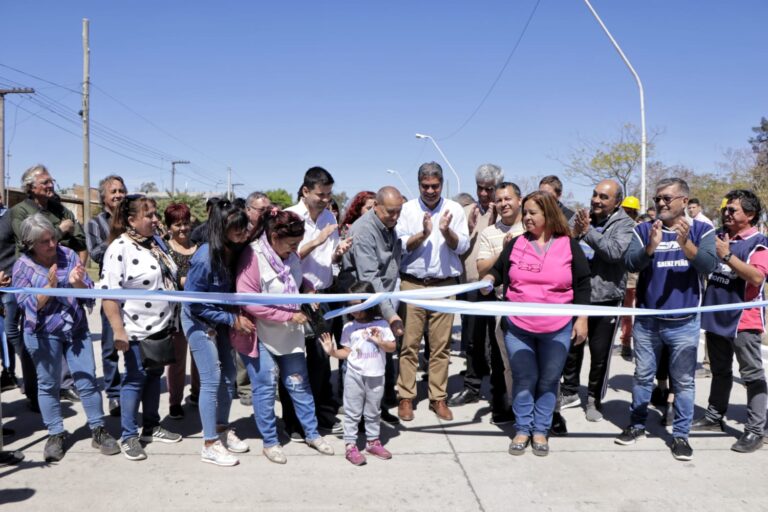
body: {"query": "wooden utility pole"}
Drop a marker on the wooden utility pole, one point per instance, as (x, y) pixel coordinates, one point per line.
(86, 126)
(3, 92)
(173, 175)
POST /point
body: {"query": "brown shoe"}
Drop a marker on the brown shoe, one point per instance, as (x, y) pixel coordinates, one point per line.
(405, 409)
(440, 408)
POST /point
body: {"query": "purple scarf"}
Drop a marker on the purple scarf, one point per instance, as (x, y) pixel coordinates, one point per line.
(277, 264)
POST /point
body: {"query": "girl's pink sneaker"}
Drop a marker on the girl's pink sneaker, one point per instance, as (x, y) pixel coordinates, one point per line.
(375, 449)
(354, 456)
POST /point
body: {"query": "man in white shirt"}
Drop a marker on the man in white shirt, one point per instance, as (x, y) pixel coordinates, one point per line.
(696, 213)
(434, 235)
(318, 250)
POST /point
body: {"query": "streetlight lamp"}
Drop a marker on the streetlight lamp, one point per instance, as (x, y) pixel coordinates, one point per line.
(458, 180)
(644, 140)
(407, 188)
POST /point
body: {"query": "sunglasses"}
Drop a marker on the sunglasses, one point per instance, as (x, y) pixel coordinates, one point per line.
(666, 199)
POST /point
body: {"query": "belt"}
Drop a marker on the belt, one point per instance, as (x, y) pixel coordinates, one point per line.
(428, 281)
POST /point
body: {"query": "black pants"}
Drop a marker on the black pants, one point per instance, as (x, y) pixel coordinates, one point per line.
(601, 330)
(484, 357)
(747, 349)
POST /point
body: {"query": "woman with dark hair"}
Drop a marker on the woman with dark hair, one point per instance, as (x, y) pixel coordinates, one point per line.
(360, 204)
(178, 221)
(208, 326)
(56, 326)
(275, 348)
(543, 265)
(136, 259)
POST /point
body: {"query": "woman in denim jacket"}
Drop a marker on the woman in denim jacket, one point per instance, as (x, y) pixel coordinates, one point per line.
(207, 326)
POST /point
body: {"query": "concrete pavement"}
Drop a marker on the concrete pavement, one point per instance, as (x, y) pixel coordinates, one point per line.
(460, 465)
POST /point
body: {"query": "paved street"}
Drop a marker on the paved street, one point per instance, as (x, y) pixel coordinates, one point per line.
(460, 465)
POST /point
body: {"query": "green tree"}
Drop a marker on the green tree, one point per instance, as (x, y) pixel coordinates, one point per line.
(758, 174)
(280, 197)
(195, 202)
(147, 187)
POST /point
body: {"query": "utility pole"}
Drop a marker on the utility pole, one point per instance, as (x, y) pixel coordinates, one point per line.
(173, 175)
(86, 125)
(3, 92)
(229, 183)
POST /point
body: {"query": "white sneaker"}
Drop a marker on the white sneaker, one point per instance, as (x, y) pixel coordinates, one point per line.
(321, 445)
(275, 454)
(217, 454)
(233, 443)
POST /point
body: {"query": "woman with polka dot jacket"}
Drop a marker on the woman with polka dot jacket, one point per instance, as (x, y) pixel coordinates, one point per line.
(136, 259)
(208, 326)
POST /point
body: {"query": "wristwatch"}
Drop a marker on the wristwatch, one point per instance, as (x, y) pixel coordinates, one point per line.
(727, 257)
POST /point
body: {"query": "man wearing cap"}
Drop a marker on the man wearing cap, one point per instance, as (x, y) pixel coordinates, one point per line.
(631, 206)
(606, 229)
(740, 277)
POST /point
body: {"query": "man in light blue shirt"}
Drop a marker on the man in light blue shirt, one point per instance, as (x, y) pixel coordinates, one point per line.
(434, 235)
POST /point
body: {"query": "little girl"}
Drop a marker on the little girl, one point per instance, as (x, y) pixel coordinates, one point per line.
(364, 342)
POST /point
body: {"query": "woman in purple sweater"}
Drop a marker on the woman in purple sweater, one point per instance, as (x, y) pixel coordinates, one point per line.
(543, 265)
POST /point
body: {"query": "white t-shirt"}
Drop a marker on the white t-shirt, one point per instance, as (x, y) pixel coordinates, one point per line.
(129, 266)
(365, 358)
(316, 266)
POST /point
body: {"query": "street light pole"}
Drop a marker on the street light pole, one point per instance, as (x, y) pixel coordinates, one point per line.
(407, 188)
(644, 139)
(458, 180)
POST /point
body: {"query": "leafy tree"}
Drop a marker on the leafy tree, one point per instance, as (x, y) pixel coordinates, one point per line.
(341, 199)
(617, 159)
(759, 172)
(195, 202)
(148, 186)
(280, 197)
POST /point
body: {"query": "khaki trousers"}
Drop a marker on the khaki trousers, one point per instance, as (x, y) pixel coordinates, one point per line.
(440, 325)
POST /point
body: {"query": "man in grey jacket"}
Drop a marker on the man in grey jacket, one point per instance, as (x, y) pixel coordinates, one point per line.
(605, 232)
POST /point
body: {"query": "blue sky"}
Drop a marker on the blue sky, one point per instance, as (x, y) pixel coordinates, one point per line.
(273, 88)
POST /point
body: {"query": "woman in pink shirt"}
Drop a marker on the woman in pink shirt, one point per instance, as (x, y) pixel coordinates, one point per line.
(275, 349)
(543, 265)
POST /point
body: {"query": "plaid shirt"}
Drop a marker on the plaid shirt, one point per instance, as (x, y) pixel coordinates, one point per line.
(60, 314)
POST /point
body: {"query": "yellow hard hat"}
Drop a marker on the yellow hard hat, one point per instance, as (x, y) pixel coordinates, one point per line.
(631, 202)
(723, 203)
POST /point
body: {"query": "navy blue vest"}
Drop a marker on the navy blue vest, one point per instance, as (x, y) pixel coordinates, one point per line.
(726, 287)
(670, 281)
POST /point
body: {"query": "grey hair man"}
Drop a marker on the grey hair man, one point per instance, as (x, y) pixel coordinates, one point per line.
(111, 193)
(255, 204)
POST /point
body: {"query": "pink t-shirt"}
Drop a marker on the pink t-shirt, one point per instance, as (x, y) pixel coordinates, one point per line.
(752, 319)
(541, 277)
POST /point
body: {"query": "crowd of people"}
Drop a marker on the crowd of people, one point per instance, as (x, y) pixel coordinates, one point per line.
(527, 249)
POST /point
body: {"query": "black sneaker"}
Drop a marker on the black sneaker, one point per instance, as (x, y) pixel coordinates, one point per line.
(10, 458)
(69, 394)
(748, 443)
(176, 412)
(54, 448)
(705, 424)
(132, 449)
(160, 434)
(567, 401)
(336, 429)
(502, 418)
(193, 399)
(8, 381)
(114, 407)
(467, 396)
(389, 418)
(296, 437)
(105, 443)
(629, 436)
(558, 428)
(681, 450)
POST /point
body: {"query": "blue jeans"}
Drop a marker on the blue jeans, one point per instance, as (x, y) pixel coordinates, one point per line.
(682, 339)
(46, 350)
(292, 369)
(537, 361)
(109, 359)
(213, 357)
(139, 386)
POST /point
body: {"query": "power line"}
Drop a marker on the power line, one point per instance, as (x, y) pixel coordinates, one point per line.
(38, 78)
(498, 76)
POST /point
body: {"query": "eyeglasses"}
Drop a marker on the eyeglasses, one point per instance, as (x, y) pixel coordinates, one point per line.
(430, 187)
(666, 199)
(730, 210)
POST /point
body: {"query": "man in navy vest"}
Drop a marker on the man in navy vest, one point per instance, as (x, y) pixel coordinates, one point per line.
(673, 254)
(740, 277)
